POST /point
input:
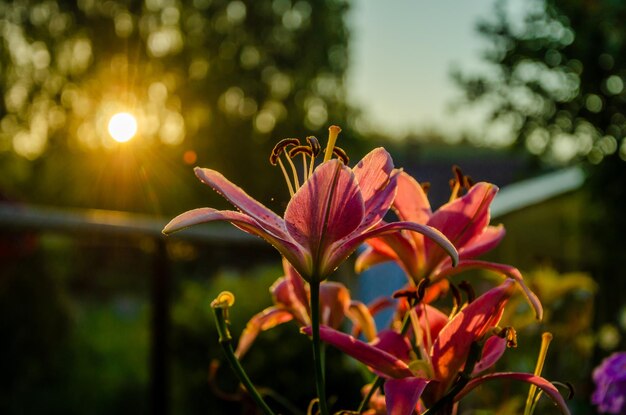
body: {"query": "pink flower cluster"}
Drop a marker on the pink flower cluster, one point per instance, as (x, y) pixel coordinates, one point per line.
(428, 360)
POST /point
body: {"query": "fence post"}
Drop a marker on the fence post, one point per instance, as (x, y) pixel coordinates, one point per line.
(160, 341)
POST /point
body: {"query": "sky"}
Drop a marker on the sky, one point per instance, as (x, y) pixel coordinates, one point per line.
(402, 54)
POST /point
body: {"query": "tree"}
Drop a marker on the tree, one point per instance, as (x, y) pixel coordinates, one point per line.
(559, 81)
(213, 82)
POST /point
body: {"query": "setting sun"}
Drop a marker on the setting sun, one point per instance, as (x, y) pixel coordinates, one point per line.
(122, 127)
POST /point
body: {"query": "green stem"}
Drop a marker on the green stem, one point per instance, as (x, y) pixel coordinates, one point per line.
(225, 340)
(378, 382)
(318, 358)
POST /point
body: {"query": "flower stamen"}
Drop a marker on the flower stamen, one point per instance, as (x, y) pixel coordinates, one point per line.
(333, 132)
(277, 151)
(315, 151)
(460, 181)
(341, 155)
(311, 150)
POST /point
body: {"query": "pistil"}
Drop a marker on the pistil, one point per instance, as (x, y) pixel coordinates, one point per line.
(312, 150)
(333, 132)
(546, 338)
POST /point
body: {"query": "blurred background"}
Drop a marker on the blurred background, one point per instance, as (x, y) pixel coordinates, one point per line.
(107, 105)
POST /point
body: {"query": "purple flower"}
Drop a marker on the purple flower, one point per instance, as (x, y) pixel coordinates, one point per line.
(610, 379)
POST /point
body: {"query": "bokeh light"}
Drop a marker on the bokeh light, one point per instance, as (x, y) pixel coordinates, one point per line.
(122, 127)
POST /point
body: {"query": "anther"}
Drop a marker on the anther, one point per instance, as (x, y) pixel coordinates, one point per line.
(510, 335)
(421, 288)
(456, 299)
(458, 174)
(280, 147)
(315, 145)
(456, 182)
(425, 186)
(468, 290)
(408, 293)
(341, 155)
(300, 150)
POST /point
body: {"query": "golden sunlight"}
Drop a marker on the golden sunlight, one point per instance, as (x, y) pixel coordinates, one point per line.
(122, 127)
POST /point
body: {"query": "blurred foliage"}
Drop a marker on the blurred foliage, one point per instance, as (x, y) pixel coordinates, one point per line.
(558, 81)
(32, 352)
(279, 361)
(212, 82)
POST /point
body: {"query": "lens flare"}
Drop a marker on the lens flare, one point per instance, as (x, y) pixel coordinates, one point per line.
(122, 127)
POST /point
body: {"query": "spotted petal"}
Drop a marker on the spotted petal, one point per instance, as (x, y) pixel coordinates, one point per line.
(377, 182)
(372, 172)
(294, 253)
(411, 203)
(242, 201)
(326, 208)
(451, 348)
(461, 220)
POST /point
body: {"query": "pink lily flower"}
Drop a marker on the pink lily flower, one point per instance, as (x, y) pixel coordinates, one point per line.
(291, 302)
(464, 221)
(431, 377)
(335, 209)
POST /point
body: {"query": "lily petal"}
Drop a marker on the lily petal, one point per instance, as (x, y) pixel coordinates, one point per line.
(393, 343)
(265, 320)
(369, 258)
(334, 303)
(362, 320)
(451, 348)
(326, 208)
(502, 269)
(483, 242)
(298, 285)
(242, 201)
(395, 246)
(547, 387)
(381, 362)
(493, 350)
(402, 395)
(432, 319)
(343, 248)
(378, 205)
(372, 173)
(285, 298)
(291, 250)
(461, 219)
(411, 203)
